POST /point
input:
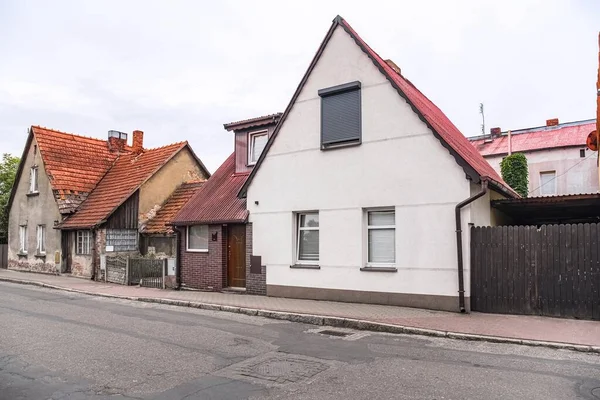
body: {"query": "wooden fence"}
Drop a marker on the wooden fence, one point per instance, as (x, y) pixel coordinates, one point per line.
(3, 256)
(148, 272)
(552, 270)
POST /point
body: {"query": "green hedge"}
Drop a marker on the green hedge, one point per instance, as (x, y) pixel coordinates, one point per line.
(514, 172)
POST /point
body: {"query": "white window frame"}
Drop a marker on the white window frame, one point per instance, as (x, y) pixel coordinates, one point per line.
(307, 228)
(41, 239)
(375, 227)
(86, 242)
(23, 239)
(251, 137)
(551, 182)
(187, 240)
(34, 180)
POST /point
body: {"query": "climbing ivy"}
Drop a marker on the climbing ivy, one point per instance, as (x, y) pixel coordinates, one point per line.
(514, 172)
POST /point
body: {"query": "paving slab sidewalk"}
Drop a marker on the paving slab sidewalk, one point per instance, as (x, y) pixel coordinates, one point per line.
(531, 330)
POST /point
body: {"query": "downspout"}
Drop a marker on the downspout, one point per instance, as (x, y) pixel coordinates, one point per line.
(178, 256)
(459, 249)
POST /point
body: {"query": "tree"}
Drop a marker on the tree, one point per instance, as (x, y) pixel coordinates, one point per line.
(8, 170)
(514, 172)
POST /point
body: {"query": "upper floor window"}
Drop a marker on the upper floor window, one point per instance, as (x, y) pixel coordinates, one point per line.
(256, 144)
(33, 180)
(548, 183)
(340, 115)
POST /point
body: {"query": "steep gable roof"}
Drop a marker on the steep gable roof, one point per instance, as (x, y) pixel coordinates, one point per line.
(160, 223)
(474, 165)
(128, 173)
(216, 201)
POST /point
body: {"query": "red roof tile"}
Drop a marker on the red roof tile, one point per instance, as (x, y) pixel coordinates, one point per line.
(459, 146)
(159, 224)
(74, 164)
(544, 137)
(128, 173)
(216, 201)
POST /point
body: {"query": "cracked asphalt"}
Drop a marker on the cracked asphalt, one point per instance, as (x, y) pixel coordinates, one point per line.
(60, 345)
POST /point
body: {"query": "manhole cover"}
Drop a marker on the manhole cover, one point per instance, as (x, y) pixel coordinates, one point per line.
(331, 332)
(596, 392)
(283, 370)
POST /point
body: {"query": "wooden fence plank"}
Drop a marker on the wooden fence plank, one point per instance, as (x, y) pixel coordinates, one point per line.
(474, 266)
(595, 278)
(584, 280)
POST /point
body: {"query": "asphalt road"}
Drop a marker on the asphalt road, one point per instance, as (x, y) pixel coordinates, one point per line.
(59, 345)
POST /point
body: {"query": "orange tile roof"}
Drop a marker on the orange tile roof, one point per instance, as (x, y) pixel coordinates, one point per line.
(74, 164)
(128, 173)
(159, 223)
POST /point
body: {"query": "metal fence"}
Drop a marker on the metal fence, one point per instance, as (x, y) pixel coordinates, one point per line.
(147, 272)
(552, 270)
(3, 256)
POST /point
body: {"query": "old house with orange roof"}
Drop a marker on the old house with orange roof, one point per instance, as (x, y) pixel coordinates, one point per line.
(76, 198)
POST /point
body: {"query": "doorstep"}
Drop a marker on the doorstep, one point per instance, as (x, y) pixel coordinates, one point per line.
(234, 290)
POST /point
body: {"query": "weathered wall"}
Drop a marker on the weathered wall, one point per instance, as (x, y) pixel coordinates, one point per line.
(204, 270)
(255, 283)
(82, 265)
(33, 210)
(163, 245)
(181, 168)
(400, 164)
(574, 174)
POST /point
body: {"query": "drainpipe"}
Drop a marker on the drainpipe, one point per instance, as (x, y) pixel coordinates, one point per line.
(178, 256)
(459, 249)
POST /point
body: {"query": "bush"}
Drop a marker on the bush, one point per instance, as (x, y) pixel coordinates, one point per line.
(514, 172)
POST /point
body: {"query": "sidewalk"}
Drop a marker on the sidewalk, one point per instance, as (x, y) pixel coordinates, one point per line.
(579, 335)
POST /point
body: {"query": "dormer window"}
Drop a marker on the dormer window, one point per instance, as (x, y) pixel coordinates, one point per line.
(256, 144)
(33, 180)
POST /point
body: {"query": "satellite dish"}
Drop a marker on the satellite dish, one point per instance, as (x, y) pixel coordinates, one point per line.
(592, 141)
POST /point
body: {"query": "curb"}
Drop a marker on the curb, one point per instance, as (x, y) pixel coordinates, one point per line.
(338, 322)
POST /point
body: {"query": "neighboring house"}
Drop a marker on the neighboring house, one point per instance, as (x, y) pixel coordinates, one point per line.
(215, 238)
(353, 198)
(557, 157)
(76, 198)
(158, 236)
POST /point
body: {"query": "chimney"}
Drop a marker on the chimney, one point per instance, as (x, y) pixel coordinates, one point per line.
(495, 132)
(137, 146)
(552, 122)
(393, 66)
(116, 141)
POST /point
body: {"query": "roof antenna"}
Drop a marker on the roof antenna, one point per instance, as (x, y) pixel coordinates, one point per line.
(482, 118)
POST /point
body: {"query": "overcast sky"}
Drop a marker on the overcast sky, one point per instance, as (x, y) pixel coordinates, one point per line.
(178, 70)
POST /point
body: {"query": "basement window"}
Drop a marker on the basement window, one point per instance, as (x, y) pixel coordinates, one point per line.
(340, 115)
(122, 239)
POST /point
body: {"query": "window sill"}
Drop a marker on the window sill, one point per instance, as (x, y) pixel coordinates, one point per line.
(32, 194)
(334, 146)
(305, 266)
(197, 251)
(21, 254)
(379, 269)
(40, 255)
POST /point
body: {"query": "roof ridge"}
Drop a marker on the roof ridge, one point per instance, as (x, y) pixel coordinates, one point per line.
(75, 135)
(181, 144)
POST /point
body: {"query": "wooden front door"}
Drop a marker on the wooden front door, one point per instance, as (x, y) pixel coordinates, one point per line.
(67, 241)
(236, 256)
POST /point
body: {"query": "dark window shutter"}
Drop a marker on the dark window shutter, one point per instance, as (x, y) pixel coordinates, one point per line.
(341, 117)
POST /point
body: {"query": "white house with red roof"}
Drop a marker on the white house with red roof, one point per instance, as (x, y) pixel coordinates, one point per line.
(356, 194)
(558, 159)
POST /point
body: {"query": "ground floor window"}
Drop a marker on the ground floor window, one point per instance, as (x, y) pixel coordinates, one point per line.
(41, 239)
(307, 247)
(197, 238)
(84, 240)
(23, 239)
(381, 234)
(121, 240)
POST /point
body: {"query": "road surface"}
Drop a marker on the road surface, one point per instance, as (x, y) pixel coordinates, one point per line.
(60, 345)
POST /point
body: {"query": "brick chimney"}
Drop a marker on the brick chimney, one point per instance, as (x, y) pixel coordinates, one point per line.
(393, 66)
(116, 141)
(137, 146)
(552, 122)
(495, 132)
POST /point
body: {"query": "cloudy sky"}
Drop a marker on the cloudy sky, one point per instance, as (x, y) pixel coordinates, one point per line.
(178, 70)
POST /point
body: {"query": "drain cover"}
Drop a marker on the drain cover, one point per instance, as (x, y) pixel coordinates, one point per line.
(331, 332)
(283, 370)
(596, 392)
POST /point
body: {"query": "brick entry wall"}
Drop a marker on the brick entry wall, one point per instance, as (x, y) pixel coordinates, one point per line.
(255, 283)
(204, 270)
